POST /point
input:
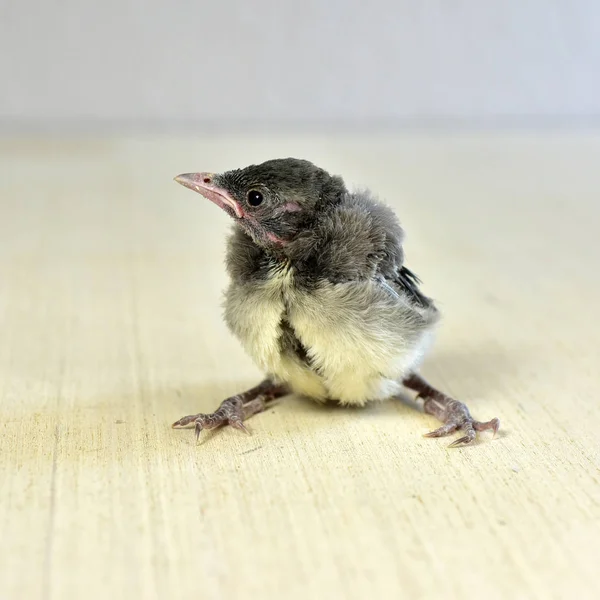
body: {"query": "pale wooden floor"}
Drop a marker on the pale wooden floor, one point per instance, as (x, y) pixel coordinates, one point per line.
(110, 282)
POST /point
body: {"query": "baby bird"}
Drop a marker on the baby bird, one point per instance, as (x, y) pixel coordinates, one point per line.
(320, 297)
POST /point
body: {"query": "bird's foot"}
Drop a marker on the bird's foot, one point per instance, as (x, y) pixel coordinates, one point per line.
(454, 415)
(231, 411)
(235, 410)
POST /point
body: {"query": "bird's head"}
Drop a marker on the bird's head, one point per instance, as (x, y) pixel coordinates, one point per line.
(273, 201)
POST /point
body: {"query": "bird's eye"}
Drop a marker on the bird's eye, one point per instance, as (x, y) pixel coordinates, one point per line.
(254, 198)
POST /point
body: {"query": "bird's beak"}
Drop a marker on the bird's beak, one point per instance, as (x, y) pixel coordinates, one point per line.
(203, 183)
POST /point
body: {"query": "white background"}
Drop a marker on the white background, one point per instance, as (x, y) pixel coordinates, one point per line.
(234, 61)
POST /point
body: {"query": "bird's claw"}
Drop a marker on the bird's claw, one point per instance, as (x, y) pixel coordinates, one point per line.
(210, 422)
(462, 420)
(455, 416)
(232, 411)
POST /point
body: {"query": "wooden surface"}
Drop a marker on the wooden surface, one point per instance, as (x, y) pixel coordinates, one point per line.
(110, 282)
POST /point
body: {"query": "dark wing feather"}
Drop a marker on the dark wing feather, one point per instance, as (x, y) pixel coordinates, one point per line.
(409, 283)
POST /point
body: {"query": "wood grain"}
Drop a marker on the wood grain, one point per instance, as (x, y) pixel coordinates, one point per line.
(111, 278)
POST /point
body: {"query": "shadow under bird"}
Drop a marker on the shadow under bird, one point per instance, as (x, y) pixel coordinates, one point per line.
(320, 297)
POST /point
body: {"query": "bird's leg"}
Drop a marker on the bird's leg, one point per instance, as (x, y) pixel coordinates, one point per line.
(453, 414)
(236, 409)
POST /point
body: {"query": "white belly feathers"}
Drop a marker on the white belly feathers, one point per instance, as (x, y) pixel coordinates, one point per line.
(360, 339)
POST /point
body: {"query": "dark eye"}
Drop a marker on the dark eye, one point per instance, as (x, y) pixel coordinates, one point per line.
(254, 198)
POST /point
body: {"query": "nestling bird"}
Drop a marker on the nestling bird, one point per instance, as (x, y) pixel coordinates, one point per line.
(320, 297)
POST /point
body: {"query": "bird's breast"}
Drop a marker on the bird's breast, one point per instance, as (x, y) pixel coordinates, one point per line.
(349, 342)
(257, 313)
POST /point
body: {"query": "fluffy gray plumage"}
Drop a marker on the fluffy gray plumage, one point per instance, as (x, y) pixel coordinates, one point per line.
(320, 296)
(328, 306)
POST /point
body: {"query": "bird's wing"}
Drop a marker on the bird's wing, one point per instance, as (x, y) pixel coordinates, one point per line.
(359, 240)
(407, 283)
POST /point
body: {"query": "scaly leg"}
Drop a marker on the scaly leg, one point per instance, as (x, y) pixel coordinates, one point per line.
(453, 414)
(235, 410)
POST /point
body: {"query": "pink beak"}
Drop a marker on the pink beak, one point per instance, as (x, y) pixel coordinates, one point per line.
(203, 184)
